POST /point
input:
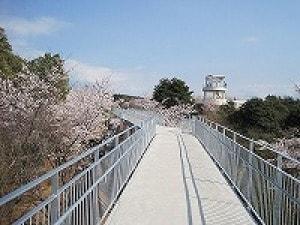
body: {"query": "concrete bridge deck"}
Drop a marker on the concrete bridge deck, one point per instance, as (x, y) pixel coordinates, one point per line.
(176, 182)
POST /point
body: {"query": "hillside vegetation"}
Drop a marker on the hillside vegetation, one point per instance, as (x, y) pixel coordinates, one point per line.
(268, 119)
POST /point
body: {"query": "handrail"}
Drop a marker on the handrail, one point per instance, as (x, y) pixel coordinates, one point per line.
(268, 146)
(26, 187)
(260, 158)
(61, 220)
(31, 213)
(270, 192)
(102, 177)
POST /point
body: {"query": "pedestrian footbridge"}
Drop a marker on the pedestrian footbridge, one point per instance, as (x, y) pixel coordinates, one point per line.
(197, 173)
(178, 183)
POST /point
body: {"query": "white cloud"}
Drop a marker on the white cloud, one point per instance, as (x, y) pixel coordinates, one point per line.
(27, 27)
(251, 39)
(134, 81)
(21, 30)
(84, 72)
(23, 48)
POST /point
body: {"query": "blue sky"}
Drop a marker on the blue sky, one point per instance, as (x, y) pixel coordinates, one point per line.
(256, 44)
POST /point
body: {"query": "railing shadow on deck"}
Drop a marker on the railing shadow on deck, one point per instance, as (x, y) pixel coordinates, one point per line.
(270, 193)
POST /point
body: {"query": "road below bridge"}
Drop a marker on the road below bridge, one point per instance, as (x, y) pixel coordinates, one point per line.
(177, 182)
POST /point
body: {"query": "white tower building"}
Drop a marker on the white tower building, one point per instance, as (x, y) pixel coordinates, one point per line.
(215, 90)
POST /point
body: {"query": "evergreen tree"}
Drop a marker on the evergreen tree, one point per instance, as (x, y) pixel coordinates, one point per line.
(172, 92)
(54, 65)
(10, 64)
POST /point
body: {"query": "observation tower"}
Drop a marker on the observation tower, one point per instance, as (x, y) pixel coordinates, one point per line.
(215, 90)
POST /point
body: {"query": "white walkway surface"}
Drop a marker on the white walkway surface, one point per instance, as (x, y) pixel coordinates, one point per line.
(177, 183)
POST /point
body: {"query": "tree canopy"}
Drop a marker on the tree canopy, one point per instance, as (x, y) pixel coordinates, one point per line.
(10, 64)
(49, 68)
(172, 92)
(51, 64)
(268, 118)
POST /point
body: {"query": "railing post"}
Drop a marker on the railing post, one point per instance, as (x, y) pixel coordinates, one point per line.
(236, 158)
(278, 194)
(127, 133)
(54, 211)
(250, 183)
(96, 175)
(194, 127)
(116, 141)
(234, 138)
(115, 145)
(116, 157)
(153, 124)
(144, 138)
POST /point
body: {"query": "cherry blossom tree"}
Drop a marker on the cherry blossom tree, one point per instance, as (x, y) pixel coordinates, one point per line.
(38, 129)
(25, 109)
(169, 116)
(81, 118)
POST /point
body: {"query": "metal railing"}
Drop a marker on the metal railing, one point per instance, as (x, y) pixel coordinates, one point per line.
(87, 197)
(136, 116)
(271, 194)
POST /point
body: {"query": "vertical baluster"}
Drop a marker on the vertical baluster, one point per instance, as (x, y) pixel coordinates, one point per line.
(55, 203)
(236, 161)
(250, 183)
(96, 175)
(278, 194)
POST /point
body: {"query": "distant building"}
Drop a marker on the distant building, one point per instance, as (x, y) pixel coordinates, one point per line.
(215, 90)
(237, 103)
